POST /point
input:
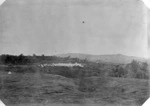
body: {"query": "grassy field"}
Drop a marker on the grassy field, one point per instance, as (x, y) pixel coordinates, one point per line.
(36, 88)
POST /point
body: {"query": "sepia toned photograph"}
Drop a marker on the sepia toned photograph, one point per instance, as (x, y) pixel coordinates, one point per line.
(74, 53)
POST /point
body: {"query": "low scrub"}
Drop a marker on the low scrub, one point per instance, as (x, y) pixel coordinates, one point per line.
(21, 69)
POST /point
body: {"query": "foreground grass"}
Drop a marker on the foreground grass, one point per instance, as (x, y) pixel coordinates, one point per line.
(41, 89)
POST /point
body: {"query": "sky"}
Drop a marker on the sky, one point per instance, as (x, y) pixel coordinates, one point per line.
(74, 26)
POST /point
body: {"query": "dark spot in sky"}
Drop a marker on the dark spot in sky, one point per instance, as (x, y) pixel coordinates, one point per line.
(83, 22)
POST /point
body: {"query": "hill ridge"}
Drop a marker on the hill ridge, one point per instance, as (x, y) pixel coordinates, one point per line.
(112, 58)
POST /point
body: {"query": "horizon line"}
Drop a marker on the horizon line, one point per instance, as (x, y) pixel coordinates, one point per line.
(72, 53)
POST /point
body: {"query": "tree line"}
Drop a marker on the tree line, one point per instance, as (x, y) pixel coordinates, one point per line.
(32, 59)
(14, 59)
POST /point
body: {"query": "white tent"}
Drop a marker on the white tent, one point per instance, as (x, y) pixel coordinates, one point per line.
(9, 72)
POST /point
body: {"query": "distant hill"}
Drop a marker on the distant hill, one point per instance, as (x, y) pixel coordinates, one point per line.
(112, 58)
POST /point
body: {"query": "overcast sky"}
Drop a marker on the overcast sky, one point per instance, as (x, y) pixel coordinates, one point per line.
(73, 26)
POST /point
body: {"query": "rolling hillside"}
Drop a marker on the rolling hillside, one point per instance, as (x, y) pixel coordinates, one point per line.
(114, 58)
